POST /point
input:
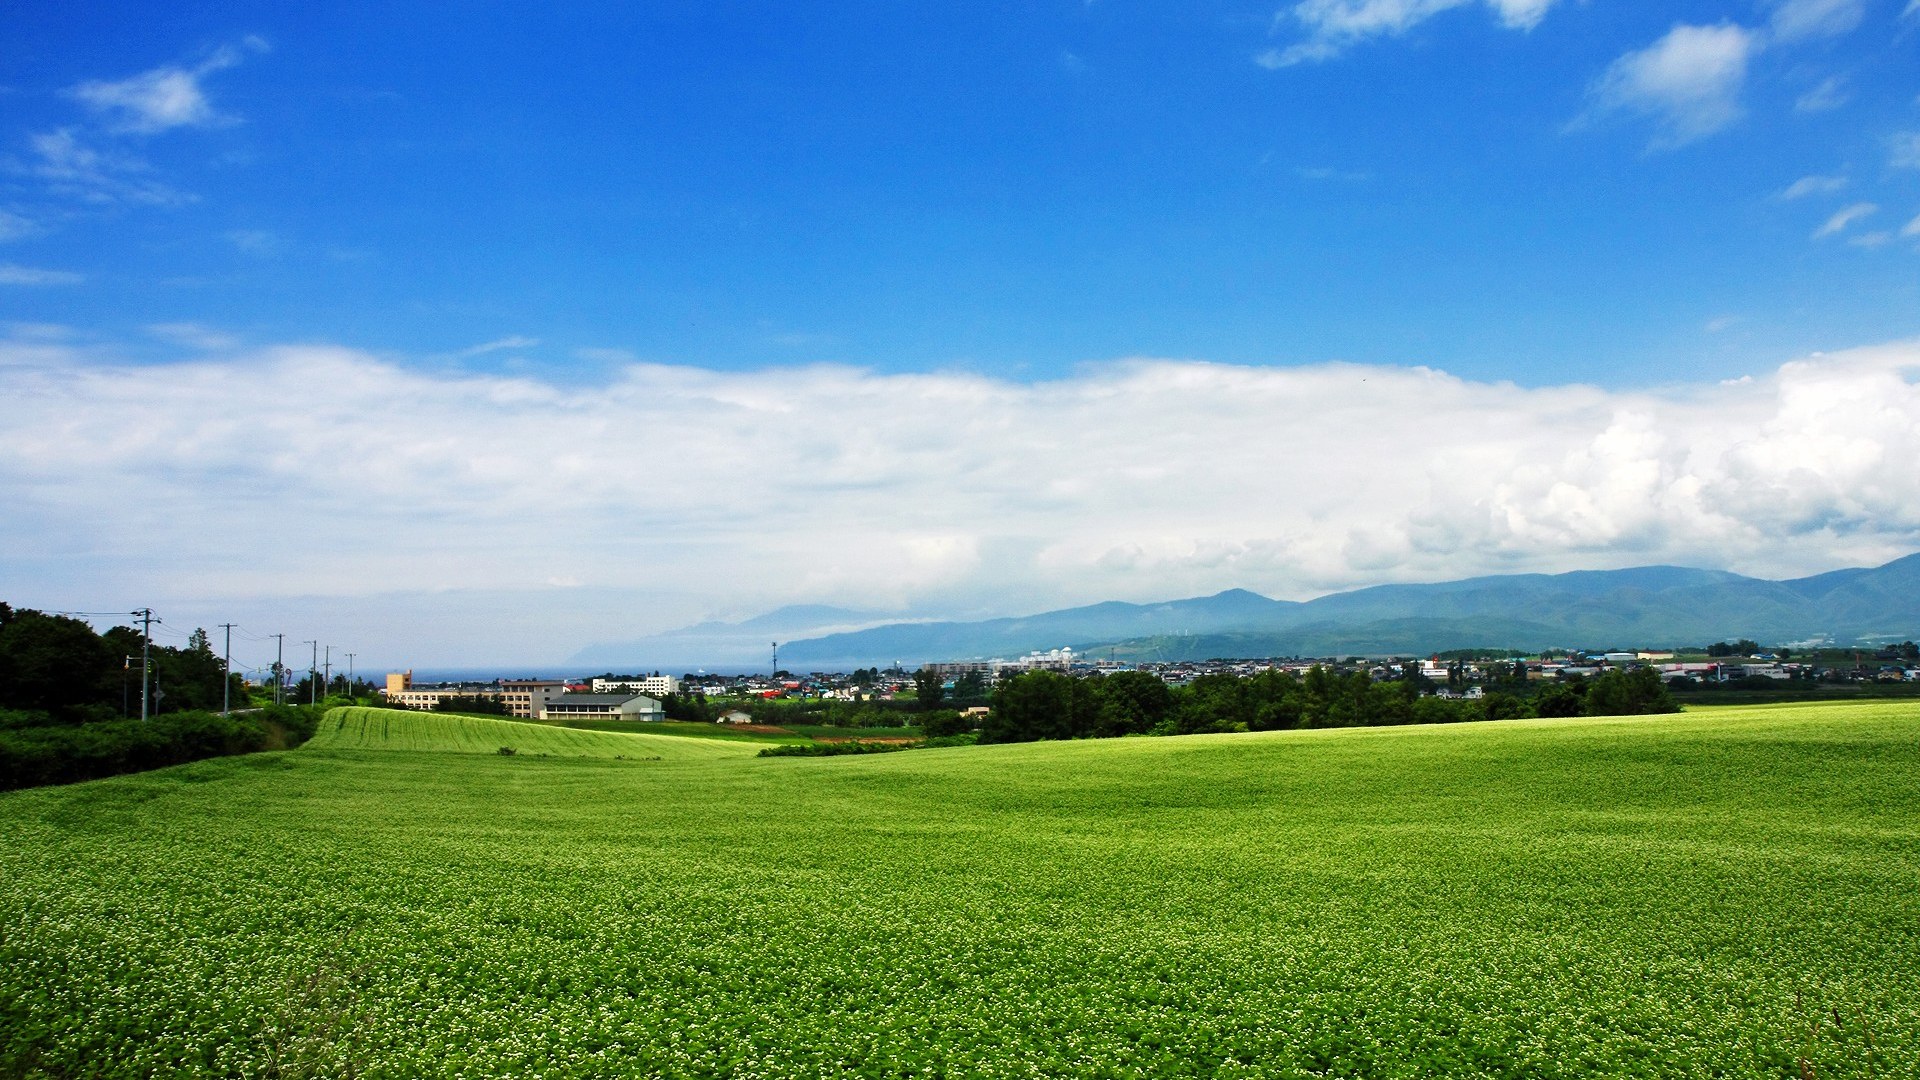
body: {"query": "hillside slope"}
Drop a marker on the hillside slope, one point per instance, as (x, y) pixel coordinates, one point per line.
(398, 729)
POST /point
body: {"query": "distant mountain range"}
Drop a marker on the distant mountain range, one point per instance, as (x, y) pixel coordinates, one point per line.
(1645, 606)
(721, 646)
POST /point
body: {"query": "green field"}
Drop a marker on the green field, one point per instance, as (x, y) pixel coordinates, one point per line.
(1726, 893)
(389, 729)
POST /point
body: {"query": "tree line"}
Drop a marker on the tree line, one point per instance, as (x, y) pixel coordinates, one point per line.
(58, 669)
(1040, 705)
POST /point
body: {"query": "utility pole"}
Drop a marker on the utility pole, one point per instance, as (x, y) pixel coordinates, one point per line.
(226, 671)
(350, 674)
(146, 656)
(328, 681)
(279, 667)
(313, 674)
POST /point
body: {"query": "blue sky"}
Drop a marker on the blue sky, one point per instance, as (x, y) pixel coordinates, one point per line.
(926, 208)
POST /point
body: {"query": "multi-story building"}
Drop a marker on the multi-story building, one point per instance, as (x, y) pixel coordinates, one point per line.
(654, 685)
(526, 698)
(637, 707)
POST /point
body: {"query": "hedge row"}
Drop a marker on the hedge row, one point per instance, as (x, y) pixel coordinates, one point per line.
(62, 754)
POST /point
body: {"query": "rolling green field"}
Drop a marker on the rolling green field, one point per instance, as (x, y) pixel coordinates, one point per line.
(1726, 893)
(389, 729)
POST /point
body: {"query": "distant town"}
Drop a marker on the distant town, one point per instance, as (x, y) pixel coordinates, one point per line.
(1462, 675)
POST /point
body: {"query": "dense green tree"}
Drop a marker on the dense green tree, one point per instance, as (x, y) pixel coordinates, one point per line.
(1041, 705)
(1629, 693)
(1565, 699)
(929, 689)
(55, 664)
(970, 688)
(1132, 702)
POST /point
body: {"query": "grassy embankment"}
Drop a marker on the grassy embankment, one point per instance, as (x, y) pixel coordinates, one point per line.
(1730, 892)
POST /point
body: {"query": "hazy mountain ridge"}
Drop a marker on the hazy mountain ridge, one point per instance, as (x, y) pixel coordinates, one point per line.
(1640, 606)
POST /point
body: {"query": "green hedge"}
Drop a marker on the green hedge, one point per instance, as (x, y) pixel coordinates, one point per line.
(63, 754)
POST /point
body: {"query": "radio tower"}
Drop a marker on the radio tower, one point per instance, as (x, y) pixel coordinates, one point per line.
(776, 658)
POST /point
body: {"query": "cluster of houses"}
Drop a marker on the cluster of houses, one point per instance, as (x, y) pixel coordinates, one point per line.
(638, 698)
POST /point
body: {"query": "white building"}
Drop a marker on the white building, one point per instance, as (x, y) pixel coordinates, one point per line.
(655, 685)
(636, 707)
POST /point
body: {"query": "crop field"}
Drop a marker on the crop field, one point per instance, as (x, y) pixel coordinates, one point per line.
(388, 729)
(1727, 893)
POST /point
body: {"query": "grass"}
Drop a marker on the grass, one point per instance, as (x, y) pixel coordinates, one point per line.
(1724, 893)
(391, 730)
(827, 731)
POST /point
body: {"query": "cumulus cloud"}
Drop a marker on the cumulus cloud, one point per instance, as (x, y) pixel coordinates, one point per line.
(1688, 82)
(686, 491)
(1333, 26)
(166, 97)
(1845, 218)
(14, 274)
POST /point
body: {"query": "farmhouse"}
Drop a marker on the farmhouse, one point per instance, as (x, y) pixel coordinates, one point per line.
(636, 707)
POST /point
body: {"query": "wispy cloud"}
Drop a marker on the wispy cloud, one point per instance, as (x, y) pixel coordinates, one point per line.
(1912, 227)
(1843, 219)
(256, 242)
(1139, 479)
(71, 167)
(15, 227)
(1799, 20)
(514, 341)
(1321, 173)
(166, 97)
(1688, 82)
(13, 274)
(1331, 27)
(1813, 185)
(190, 335)
(1829, 95)
(1903, 149)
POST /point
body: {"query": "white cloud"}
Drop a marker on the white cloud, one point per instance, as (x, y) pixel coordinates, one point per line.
(165, 97)
(257, 242)
(1799, 20)
(1912, 227)
(13, 274)
(682, 491)
(513, 341)
(1842, 219)
(1903, 150)
(190, 335)
(1813, 185)
(72, 167)
(1333, 26)
(1829, 95)
(15, 227)
(1689, 81)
